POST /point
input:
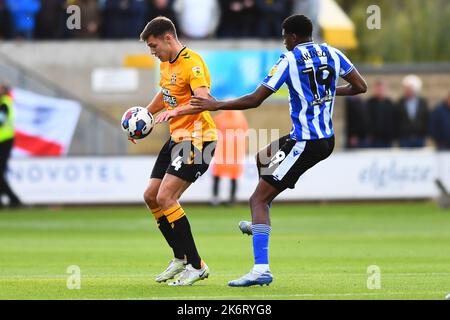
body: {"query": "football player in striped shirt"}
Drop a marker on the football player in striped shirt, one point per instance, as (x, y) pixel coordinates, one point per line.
(311, 72)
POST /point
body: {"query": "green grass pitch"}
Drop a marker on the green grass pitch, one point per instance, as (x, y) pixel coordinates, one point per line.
(317, 251)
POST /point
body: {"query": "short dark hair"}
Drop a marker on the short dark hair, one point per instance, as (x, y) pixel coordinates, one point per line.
(158, 27)
(298, 24)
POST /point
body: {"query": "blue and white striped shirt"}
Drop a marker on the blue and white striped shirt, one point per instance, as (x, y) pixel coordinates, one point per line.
(311, 73)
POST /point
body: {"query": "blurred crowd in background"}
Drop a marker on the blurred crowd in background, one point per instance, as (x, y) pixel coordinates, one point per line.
(122, 19)
(380, 122)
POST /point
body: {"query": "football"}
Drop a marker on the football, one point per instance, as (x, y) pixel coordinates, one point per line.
(137, 122)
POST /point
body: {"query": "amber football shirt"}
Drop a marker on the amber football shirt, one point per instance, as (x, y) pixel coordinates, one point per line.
(179, 79)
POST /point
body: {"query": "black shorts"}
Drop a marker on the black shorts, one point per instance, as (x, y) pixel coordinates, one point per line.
(183, 160)
(288, 159)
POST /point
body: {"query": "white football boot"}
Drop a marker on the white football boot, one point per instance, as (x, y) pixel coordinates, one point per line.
(246, 227)
(253, 278)
(191, 275)
(176, 266)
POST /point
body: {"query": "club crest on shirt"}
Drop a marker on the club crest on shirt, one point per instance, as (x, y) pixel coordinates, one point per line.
(173, 78)
(197, 71)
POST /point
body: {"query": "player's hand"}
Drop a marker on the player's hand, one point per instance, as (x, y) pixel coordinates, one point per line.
(165, 116)
(132, 140)
(205, 104)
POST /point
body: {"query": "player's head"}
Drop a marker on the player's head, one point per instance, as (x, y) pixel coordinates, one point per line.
(296, 29)
(159, 34)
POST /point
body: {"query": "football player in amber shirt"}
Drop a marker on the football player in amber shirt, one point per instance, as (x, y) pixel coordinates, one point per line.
(188, 152)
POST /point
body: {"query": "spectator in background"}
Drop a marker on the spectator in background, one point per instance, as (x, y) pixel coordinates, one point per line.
(440, 124)
(6, 144)
(50, 20)
(356, 122)
(381, 115)
(23, 16)
(238, 19)
(156, 8)
(90, 19)
(230, 151)
(123, 19)
(412, 114)
(5, 22)
(270, 17)
(198, 19)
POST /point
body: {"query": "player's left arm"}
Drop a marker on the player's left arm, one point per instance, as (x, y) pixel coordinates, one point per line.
(356, 84)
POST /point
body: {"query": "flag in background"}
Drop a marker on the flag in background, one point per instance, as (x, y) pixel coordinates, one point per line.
(44, 125)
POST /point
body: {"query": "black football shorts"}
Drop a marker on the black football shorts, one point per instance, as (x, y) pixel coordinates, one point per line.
(183, 160)
(286, 159)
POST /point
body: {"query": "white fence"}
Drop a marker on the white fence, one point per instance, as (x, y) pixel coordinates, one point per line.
(344, 176)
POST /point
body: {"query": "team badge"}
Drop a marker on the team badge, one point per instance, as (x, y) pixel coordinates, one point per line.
(197, 71)
(173, 79)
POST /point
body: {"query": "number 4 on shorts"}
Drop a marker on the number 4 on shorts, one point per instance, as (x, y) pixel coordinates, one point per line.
(177, 163)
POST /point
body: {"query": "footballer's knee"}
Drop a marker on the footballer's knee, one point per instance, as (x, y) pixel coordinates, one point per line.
(150, 198)
(261, 200)
(256, 200)
(260, 209)
(165, 200)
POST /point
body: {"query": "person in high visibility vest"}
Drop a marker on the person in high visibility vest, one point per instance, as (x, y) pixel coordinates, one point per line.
(230, 152)
(6, 144)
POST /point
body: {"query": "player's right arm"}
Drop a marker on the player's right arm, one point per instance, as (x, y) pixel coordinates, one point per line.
(247, 101)
(157, 104)
(356, 84)
(275, 79)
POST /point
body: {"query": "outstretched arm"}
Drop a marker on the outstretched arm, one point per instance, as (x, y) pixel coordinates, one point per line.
(356, 84)
(248, 101)
(203, 101)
